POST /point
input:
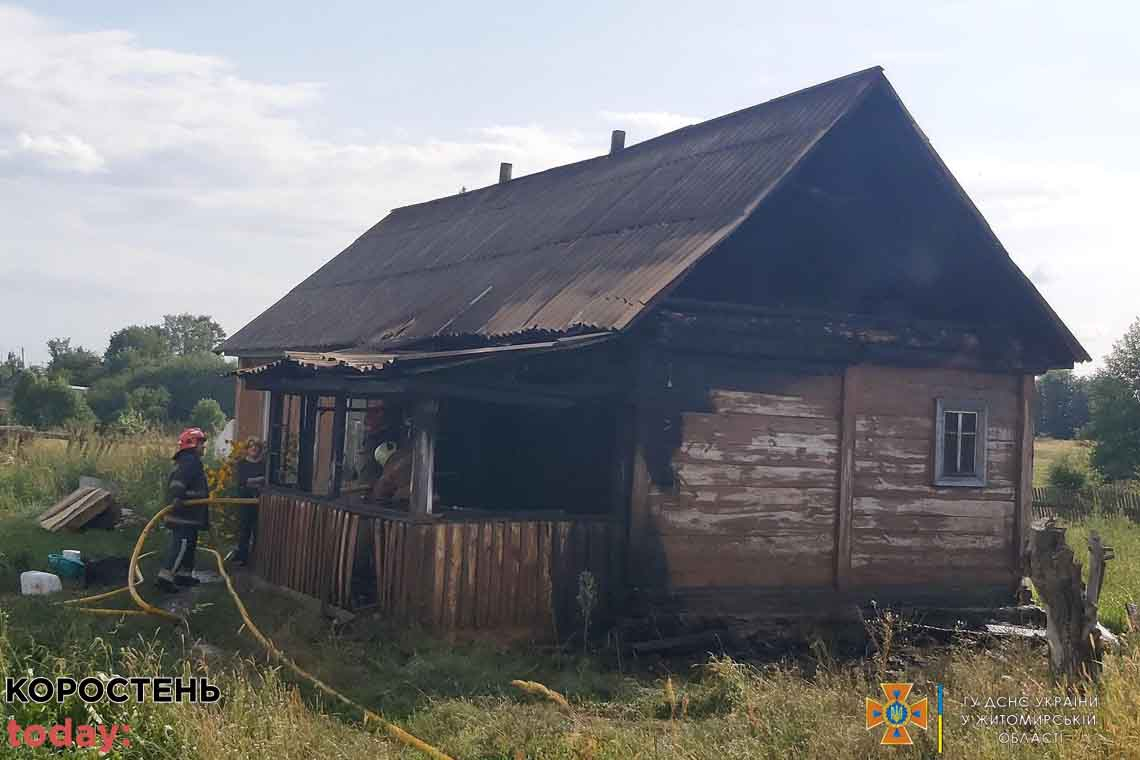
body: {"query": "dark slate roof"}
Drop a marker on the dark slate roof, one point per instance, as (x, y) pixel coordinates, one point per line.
(581, 247)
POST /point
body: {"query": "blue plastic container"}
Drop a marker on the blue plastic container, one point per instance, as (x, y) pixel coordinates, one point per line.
(65, 567)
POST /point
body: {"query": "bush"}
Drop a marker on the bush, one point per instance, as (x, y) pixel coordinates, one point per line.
(1070, 473)
(151, 403)
(208, 415)
(44, 402)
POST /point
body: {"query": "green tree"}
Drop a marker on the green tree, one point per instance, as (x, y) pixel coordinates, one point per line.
(149, 402)
(1124, 359)
(208, 415)
(48, 402)
(1062, 404)
(76, 365)
(1114, 410)
(134, 346)
(108, 396)
(10, 370)
(1114, 427)
(191, 334)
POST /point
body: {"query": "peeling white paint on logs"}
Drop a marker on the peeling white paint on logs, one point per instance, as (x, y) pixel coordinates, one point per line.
(734, 426)
(989, 525)
(742, 402)
(787, 448)
(895, 426)
(961, 568)
(733, 498)
(767, 523)
(896, 487)
(894, 448)
(871, 505)
(933, 542)
(865, 466)
(693, 475)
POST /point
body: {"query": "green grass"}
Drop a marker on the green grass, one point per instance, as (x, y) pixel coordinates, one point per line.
(458, 696)
(1122, 574)
(1046, 451)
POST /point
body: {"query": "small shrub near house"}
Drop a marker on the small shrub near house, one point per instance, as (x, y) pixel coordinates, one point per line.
(208, 415)
(1071, 472)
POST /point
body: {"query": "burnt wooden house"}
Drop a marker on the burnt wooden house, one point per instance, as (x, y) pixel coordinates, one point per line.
(772, 362)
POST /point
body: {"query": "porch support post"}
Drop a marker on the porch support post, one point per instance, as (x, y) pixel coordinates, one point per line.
(336, 446)
(846, 506)
(307, 438)
(425, 413)
(273, 461)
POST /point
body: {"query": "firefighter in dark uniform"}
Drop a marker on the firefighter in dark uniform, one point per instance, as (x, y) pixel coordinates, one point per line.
(187, 481)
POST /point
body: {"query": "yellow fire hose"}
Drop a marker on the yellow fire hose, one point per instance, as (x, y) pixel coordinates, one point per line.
(146, 608)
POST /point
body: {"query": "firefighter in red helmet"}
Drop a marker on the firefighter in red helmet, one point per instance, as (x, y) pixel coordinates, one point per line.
(187, 481)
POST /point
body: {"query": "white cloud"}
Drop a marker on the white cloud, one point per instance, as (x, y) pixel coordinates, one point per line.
(67, 152)
(1065, 224)
(168, 181)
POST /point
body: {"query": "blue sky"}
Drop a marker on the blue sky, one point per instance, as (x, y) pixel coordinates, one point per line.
(205, 157)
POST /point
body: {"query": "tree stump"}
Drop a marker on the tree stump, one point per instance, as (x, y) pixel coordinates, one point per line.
(1071, 628)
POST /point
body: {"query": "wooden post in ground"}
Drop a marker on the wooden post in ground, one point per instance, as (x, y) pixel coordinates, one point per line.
(1071, 629)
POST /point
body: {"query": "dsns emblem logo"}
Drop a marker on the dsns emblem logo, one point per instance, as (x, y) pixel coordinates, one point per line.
(896, 714)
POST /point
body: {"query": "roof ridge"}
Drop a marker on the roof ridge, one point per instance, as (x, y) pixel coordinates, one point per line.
(641, 145)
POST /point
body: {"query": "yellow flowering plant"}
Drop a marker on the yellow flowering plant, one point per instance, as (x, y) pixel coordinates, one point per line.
(222, 480)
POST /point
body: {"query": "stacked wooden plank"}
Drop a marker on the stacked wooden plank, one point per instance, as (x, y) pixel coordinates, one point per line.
(77, 509)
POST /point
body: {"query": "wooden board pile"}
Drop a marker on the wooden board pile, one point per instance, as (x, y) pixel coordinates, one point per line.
(79, 509)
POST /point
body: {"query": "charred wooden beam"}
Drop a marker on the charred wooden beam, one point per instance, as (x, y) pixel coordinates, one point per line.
(336, 472)
(837, 337)
(275, 459)
(845, 509)
(1023, 507)
(517, 394)
(307, 440)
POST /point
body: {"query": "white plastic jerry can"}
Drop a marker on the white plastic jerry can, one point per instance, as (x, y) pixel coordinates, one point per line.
(36, 582)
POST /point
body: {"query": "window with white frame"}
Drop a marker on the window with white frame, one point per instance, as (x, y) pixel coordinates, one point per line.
(960, 443)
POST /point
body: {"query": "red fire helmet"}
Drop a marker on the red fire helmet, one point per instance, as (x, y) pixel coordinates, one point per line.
(190, 438)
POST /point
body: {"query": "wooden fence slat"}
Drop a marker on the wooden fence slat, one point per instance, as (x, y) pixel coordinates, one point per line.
(545, 618)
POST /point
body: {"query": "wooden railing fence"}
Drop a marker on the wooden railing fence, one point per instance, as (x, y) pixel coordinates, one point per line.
(1059, 503)
(476, 573)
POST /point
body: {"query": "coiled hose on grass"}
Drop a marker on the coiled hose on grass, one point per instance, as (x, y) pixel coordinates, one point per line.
(146, 608)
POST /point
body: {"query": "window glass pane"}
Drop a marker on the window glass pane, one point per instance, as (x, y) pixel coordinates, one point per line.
(951, 420)
(969, 422)
(968, 441)
(950, 452)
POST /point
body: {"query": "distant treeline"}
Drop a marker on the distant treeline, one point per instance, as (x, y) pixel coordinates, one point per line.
(149, 376)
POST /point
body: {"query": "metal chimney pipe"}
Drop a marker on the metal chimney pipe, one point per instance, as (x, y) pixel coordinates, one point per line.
(617, 141)
(504, 172)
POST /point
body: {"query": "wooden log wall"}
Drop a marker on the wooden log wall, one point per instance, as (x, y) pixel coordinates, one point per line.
(747, 494)
(494, 574)
(906, 531)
